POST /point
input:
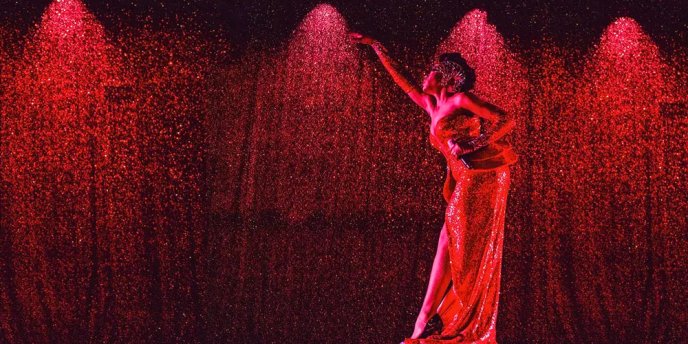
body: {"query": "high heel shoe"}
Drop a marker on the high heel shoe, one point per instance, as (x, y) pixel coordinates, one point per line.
(433, 326)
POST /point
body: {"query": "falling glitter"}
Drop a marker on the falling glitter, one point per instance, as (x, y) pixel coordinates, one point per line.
(57, 137)
(102, 152)
(500, 77)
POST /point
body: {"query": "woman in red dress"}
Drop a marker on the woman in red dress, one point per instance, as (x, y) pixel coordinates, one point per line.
(460, 304)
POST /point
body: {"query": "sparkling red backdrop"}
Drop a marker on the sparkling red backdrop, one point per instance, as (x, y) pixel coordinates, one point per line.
(161, 182)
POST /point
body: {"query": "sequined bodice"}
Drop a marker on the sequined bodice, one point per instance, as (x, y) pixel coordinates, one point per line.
(459, 126)
(463, 126)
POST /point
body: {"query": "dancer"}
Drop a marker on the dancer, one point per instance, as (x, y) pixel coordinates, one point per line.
(470, 133)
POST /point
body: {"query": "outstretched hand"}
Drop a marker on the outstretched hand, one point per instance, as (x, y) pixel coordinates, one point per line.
(356, 37)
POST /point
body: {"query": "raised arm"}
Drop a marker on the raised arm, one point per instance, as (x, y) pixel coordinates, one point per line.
(394, 69)
(494, 123)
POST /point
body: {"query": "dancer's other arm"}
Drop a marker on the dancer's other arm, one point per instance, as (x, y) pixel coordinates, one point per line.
(497, 124)
(394, 69)
(439, 281)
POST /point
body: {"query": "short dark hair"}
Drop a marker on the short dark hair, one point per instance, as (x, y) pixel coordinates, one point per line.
(469, 72)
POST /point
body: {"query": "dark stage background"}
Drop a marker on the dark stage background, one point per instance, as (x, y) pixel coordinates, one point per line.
(215, 171)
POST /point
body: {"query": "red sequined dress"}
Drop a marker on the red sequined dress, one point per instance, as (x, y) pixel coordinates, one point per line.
(476, 206)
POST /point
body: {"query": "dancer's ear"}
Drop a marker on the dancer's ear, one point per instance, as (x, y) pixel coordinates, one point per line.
(452, 87)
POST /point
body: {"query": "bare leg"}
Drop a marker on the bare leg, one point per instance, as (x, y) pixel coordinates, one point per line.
(440, 276)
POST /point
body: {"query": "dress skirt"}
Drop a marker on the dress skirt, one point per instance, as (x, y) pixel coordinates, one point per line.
(475, 228)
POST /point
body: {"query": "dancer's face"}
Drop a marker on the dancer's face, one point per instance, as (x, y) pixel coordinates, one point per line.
(431, 83)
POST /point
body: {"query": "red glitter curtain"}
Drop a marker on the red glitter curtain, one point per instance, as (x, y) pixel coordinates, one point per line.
(595, 220)
(153, 192)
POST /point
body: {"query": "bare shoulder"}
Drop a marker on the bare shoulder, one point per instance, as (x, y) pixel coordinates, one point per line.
(466, 100)
(478, 106)
(455, 103)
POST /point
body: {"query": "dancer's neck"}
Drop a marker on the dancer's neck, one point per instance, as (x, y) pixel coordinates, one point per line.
(442, 97)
